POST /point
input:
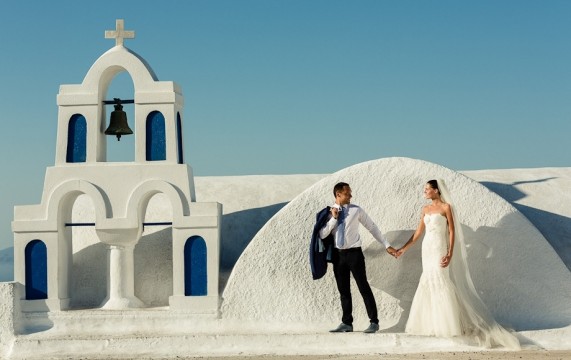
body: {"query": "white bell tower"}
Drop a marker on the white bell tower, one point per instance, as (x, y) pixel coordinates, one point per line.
(120, 193)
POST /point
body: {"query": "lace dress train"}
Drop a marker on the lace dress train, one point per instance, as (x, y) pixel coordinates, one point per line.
(437, 308)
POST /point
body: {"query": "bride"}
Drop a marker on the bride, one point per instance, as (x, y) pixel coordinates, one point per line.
(446, 303)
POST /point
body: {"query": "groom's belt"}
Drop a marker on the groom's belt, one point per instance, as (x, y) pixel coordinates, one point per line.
(355, 249)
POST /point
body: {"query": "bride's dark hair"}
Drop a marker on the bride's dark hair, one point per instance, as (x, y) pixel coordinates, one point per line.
(433, 184)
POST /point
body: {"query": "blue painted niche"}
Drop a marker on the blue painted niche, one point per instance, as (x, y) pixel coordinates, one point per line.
(76, 139)
(156, 137)
(36, 260)
(179, 138)
(195, 273)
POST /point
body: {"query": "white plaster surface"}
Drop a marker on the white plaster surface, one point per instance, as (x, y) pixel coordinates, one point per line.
(9, 316)
(521, 277)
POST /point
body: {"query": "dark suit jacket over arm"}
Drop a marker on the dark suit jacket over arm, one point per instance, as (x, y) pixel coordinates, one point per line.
(318, 259)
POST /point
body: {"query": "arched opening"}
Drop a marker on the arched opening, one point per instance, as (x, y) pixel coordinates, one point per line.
(179, 138)
(36, 260)
(121, 87)
(153, 253)
(88, 276)
(156, 137)
(195, 272)
(76, 139)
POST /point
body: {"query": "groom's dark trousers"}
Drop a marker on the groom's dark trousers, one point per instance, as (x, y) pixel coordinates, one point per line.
(345, 263)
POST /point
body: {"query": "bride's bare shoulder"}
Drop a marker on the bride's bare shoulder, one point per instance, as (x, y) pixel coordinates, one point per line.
(447, 209)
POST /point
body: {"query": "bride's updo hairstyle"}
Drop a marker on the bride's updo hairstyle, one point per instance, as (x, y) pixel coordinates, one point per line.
(433, 184)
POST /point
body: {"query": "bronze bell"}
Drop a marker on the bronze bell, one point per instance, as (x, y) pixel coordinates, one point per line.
(118, 123)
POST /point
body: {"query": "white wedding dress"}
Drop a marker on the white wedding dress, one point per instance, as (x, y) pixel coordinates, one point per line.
(435, 309)
(438, 307)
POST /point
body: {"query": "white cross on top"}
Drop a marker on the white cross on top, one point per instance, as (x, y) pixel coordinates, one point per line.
(119, 34)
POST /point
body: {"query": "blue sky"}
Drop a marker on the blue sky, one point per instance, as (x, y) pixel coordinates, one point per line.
(293, 87)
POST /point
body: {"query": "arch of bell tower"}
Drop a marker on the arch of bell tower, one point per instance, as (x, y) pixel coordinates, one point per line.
(89, 97)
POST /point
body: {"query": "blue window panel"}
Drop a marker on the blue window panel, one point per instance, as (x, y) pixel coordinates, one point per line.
(36, 259)
(156, 137)
(76, 139)
(179, 138)
(195, 276)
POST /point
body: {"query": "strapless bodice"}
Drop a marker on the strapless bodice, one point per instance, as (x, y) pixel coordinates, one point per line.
(435, 223)
(435, 242)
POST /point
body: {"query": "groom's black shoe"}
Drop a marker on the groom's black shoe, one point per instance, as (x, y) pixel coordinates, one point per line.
(373, 328)
(343, 328)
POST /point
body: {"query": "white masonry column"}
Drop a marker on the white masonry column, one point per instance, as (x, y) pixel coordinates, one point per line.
(120, 267)
(121, 279)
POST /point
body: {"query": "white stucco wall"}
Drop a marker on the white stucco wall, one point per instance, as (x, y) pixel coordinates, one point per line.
(9, 316)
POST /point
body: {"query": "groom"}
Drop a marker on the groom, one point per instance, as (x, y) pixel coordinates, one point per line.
(348, 258)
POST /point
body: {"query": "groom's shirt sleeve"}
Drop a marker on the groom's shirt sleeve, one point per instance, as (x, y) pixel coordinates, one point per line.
(330, 225)
(370, 225)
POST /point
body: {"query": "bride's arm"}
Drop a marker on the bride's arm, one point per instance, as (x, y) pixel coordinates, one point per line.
(414, 237)
(446, 259)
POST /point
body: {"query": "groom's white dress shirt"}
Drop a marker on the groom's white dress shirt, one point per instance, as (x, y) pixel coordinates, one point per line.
(354, 216)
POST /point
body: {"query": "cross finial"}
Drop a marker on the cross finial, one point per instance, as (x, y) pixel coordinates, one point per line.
(119, 34)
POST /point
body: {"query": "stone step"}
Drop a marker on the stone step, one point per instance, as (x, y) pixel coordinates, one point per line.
(142, 346)
(163, 333)
(117, 322)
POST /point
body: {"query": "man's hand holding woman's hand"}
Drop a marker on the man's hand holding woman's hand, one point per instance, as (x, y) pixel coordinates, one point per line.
(392, 251)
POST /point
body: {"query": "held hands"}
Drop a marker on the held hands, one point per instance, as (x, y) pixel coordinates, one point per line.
(392, 251)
